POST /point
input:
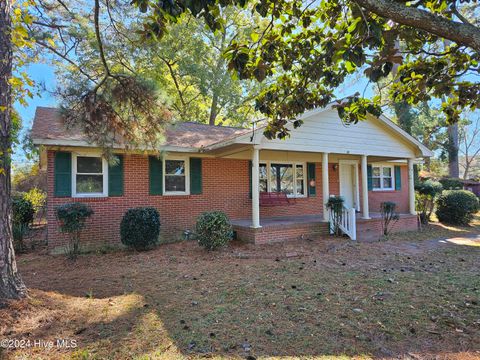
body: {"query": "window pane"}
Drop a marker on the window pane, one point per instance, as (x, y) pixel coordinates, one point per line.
(89, 165)
(174, 183)
(174, 167)
(299, 172)
(88, 184)
(263, 172)
(300, 187)
(263, 185)
(286, 179)
(273, 179)
(387, 183)
(376, 171)
(376, 183)
(387, 171)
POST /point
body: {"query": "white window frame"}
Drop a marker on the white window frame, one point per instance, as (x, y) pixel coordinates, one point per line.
(187, 175)
(381, 188)
(74, 176)
(294, 168)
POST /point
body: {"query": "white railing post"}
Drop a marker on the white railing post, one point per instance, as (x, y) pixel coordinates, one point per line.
(347, 222)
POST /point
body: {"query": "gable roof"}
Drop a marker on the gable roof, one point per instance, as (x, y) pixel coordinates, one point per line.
(399, 135)
(49, 129)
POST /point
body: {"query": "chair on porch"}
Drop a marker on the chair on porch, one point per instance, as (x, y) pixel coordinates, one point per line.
(275, 199)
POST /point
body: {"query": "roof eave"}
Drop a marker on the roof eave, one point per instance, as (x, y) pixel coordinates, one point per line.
(82, 143)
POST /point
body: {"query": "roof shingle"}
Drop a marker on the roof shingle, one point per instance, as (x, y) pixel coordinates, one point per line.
(49, 125)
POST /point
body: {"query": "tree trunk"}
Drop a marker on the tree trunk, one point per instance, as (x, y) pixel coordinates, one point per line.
(213, 109)
(403, 111)
(453, 168)
(11, 285)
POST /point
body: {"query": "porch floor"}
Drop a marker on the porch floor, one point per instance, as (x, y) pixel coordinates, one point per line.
(280, 221)
(300, 219)
(276, 229)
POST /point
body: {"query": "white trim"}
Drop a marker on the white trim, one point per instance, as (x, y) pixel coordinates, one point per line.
(356, 189)
(392, 172)
(74, 176)
(294, 164)
(246, 137)
(186, 159)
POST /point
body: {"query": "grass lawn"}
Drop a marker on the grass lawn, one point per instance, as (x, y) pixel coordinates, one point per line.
(411, 296)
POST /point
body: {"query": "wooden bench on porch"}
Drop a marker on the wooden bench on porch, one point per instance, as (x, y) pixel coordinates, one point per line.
(275, 199)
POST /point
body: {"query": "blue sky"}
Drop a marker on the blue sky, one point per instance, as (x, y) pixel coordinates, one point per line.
(41, 74)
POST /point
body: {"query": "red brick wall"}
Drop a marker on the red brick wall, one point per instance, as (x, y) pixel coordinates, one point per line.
(225, 188)
(400, 197)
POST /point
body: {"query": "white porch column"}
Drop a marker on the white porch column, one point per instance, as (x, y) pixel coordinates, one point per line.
(411, 188)
(366, 214)
(325, 184)
(255, 190)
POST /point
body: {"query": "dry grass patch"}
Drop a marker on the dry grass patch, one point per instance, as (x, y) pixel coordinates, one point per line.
(410, 295)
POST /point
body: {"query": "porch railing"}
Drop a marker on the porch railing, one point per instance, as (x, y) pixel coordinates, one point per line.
(347, 223)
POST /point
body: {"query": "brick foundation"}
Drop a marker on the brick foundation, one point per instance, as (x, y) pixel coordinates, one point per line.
(367, 230)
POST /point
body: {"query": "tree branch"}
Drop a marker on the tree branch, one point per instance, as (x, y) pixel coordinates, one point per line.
(460, 33)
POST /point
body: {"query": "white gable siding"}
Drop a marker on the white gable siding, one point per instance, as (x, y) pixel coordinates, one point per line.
(325, 132)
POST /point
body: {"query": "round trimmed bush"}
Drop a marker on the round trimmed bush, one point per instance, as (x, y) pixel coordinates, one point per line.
(451, 183)
(140, 228)
(429, 188)
(23, 211)
(213, 230)
(457, 207)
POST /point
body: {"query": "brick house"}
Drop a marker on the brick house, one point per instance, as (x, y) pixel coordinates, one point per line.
(204, 167)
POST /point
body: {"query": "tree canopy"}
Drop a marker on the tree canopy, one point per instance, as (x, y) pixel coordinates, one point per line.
(311, 47)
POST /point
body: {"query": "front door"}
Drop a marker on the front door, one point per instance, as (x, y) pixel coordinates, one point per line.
(348, 184)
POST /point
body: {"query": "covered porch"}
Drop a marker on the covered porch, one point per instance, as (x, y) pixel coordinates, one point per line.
(367, 163)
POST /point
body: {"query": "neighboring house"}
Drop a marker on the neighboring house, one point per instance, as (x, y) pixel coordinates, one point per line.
(206, 167)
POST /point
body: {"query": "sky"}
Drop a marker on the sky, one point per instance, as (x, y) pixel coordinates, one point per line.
(40, 74)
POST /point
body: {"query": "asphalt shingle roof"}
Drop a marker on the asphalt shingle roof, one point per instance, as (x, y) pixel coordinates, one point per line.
(49, 125)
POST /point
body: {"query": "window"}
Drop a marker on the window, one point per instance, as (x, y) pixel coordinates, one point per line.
(175, 177)
(89, 176)
(263, 178)
(382, 177)
(283, 177)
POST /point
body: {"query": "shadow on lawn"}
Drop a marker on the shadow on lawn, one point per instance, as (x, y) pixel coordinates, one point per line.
(176, 301)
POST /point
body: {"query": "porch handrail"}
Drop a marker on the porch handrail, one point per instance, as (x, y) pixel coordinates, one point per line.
(348, 222)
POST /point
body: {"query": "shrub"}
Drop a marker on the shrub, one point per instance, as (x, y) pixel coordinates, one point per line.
(335, 206)
(213, 230)
(389, 216)
(451, 183)
(23, 211)
(36, 197)
(140, 228)
(426, 192)
(457, 207)
(72, 218)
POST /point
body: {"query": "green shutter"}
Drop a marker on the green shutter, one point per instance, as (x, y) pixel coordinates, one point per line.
(195, 176)
(369, 177)
(250, 179)
(312, 190)
(115, 177)
(398, 177)
(155, 175)
(63, 174)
